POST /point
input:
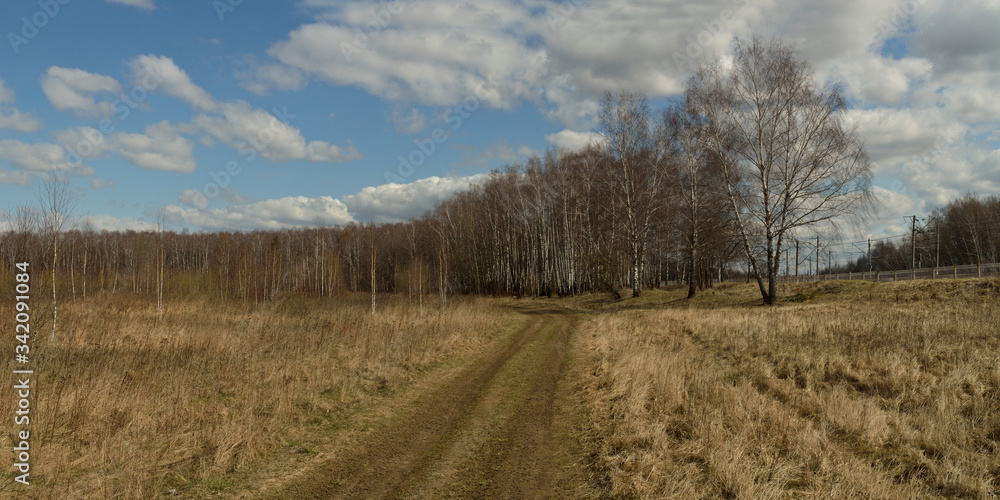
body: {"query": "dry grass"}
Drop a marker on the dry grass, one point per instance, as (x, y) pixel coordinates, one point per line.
(126, 407)
(864, 391)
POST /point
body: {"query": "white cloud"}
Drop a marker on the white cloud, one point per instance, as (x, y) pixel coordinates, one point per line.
(438, 54)
(15, 177)
(959, 35)
(280, 213)
(74, 89)
(142, 4)
(111, 223)
(322, 151)
(160, 148)
(38, 157)
(245, 128)
(13, 119)
(970, 96)
(571, 140)
(6, 94)
(880, 80)
(896, 135)
(506, 52)
(260, 78)
(173, 80)
(397, 202)
(19, 121)
(385, 203)
(86, 142)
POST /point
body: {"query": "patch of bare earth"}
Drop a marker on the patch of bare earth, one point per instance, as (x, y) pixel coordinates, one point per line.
(504, 427)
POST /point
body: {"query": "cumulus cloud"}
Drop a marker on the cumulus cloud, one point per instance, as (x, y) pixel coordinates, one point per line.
(173, 80)
(571, 140)
(507, 52)
(279, 213)
(37, 157)
(15, 177)
(398, 202)
(163, 146)
(894, 135)
(880, 80)
(160, 147)
(87, 143)
(385, 203)
(959, 35)
(105, 222)
(12, 119)
(74, 89)
(244, 127)
(438, 54)
(322, 151)
(261, 78)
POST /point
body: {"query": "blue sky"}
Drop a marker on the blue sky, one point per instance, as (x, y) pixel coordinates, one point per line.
(357, 85)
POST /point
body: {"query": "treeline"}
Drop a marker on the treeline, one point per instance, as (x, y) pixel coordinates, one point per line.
(545, 227)
(752, 154)
(965, 231)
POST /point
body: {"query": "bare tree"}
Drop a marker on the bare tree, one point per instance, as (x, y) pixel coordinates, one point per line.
(160, 220)
(636, 184)
(694, 185)
(57, 203)
(787, 159)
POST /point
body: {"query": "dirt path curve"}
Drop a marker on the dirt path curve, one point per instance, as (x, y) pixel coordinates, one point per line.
(504, 428)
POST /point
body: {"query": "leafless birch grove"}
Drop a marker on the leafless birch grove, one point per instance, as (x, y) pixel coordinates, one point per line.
(752, 153)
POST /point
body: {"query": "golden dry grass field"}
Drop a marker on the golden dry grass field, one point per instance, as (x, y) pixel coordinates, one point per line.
(845, 390)
(219, 398)
(863, 391)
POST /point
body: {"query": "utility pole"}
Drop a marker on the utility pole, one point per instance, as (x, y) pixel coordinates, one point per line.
(913, 248)
(937, 249)
(829, 261)
(869, 255)
(817, 257)
(796, 259)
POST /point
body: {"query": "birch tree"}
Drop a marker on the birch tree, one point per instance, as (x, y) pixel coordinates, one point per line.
(788, 160)
(625, 118)
(57, 203)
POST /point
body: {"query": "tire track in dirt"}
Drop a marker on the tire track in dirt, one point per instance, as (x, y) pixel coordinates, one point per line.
(513, 452)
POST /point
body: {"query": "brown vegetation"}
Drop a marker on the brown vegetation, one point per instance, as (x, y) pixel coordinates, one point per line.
(862, 391)
(216, 395)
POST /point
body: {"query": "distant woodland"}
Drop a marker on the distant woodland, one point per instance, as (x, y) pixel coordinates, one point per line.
(715, 186)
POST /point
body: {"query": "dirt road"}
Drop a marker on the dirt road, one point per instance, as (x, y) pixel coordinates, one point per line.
(504, 427)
